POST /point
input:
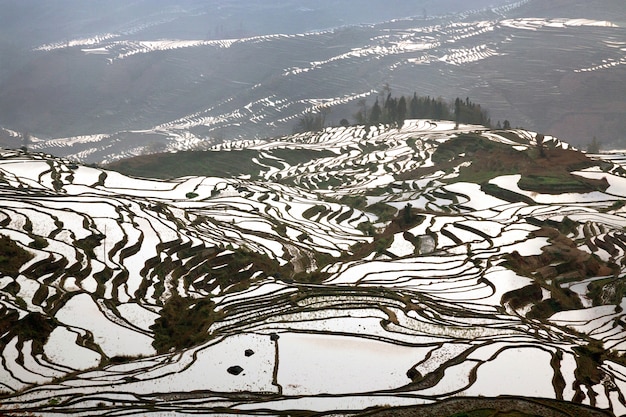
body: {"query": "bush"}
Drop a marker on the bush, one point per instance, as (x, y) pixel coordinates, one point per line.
(38, 243)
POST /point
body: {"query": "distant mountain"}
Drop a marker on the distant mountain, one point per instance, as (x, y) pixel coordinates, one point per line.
(447, 269)
(142, 77)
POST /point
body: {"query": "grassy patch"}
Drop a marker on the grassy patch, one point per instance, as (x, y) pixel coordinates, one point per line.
(467, 145)
(227, 164)
(38, 243)
(557, 184)
(190, 163)
(504, 194)
(488, 159)
(546, 172)
(614, 207)
(384, 211)
(300, 156)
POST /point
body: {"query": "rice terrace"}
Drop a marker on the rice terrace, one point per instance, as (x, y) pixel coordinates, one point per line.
(397, 266)
(279, 208)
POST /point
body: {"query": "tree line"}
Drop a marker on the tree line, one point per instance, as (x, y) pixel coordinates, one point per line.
(391, 110)
(395, 110)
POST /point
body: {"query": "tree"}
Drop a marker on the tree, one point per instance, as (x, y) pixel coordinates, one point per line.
(457, 112)
(507, 125)
(390, 110)
(401, 111)
(386, 90)
(361, 116)
(375, 113)
(539, 139)
(406, 213)
(324, 111)
(594, 146)
(310, 122)
(414, 107)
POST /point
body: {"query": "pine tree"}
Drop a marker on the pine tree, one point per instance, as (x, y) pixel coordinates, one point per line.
(594, 146)
(414, 107)
(375, 113)
(457, 112)
(401, 112)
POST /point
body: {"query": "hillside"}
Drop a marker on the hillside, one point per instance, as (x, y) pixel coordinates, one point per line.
(445, 269)
(96, 89)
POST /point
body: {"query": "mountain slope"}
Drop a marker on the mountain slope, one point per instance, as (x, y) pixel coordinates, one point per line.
(334, 270)
(163, 83)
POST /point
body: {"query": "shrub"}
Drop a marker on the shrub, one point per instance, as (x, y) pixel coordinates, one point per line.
(38, 243)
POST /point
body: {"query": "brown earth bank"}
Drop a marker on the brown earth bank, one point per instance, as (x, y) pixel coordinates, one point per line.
(486, 407)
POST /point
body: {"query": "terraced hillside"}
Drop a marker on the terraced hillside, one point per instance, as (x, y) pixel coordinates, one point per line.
(448, 269)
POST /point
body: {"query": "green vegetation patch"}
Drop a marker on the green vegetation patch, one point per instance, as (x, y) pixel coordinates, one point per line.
(557, 184)
(38, 243)
(504, 194)
(231, 163)
(384, 211)
(467, 144)
(547, 171)
(301, 155)
(190, 163)
(488, 159)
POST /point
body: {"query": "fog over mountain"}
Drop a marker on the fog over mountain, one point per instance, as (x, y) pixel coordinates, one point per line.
(100, 81)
